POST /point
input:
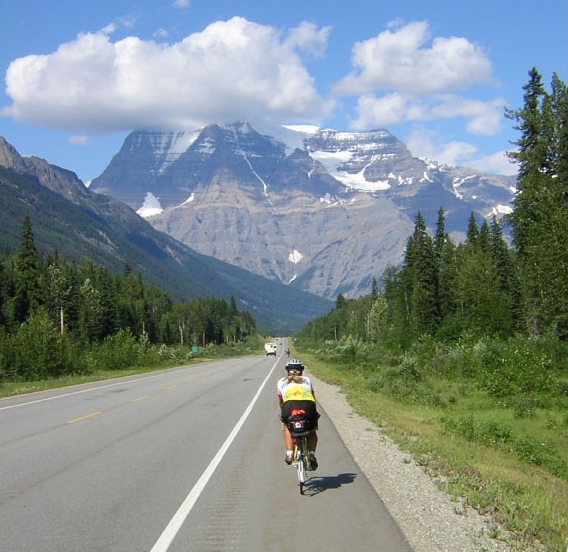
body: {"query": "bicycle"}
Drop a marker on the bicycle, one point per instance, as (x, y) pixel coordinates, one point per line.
(298, 425)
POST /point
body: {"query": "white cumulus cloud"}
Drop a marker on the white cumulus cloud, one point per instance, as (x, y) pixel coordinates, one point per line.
(403, 75)
(401, 60)
(309, 38)
(483, 118)
(231, 70)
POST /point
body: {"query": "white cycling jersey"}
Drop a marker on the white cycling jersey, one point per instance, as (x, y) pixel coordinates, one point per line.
(292, 391)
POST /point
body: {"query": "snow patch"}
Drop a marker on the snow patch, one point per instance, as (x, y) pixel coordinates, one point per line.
(295, 257)
(330, 200)
(151, 206)
(305, 129)
(357, 181)
(169, 146)
(189, 199)
(208, 147)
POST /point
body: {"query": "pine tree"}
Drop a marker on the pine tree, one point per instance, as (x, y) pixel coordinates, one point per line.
(559, 198)
(445, 252)
(397, 313)
(472, 231)
(421, 280)
(27, 273)
(508, 281)
(484, 239)
(374, 288)
(482, 307)
(539, 220)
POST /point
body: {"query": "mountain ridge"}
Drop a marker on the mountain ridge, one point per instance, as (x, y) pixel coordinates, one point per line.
(317, 209)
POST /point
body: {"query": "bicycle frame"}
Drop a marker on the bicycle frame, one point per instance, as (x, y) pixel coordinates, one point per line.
(301, 459)
(298, 428)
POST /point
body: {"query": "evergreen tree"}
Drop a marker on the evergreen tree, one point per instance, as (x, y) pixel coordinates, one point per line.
(484, 239)
(445, 253)
(374, 288)
(558, 301)
(472, 231)
(397, 314)
(27, 275)
(539, 220)
(233, 311)
(6, 286)
(420, 279)
(339, 301)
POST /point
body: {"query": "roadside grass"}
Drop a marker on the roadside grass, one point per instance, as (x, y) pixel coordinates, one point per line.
(506, 458)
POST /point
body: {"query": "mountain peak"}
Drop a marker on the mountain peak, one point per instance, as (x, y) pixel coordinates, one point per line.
(321, 209)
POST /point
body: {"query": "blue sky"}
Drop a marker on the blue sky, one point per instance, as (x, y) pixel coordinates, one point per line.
(79, 75)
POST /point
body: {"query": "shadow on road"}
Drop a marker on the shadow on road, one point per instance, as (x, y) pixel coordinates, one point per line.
(316, 485)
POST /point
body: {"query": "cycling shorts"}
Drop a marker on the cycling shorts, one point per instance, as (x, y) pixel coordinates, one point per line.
(308, 406)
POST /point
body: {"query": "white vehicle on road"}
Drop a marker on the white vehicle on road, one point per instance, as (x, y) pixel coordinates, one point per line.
(270, 349)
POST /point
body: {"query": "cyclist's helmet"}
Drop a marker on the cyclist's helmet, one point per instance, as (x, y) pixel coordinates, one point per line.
(295, 367)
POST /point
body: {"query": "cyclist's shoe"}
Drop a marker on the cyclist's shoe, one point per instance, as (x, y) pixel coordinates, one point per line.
(288, 458)
(313, 462)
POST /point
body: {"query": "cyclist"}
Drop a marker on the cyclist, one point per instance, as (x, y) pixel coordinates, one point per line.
(295, 392)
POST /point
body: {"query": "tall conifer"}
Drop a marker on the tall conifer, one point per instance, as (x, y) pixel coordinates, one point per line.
(420, 278)
(539, 220)
(27, 296)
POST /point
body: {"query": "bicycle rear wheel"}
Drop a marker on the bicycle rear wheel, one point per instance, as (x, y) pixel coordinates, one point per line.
(302, 463)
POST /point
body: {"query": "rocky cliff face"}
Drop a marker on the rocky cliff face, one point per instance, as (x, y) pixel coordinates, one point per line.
(319, 209)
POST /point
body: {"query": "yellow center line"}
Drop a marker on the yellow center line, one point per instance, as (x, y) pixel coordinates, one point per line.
(141, 398)
(92, 415)
(171, 387)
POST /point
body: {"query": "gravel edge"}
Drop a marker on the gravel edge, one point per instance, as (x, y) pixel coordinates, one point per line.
(431, 520)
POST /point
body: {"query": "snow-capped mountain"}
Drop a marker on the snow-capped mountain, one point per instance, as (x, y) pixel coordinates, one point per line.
(316, 208)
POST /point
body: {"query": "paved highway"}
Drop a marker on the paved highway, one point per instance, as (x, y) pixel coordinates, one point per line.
(189, 459)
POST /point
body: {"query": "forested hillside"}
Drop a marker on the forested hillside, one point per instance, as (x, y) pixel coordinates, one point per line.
(59, 318)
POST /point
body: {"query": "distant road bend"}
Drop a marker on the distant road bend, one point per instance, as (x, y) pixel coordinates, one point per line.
(184, 459)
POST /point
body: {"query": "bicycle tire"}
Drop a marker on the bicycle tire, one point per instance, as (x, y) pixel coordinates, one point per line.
(302, 463)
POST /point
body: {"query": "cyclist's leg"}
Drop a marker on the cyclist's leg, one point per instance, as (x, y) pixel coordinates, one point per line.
(312, 415)
(288, 441)
(312, 441)
(313, 436)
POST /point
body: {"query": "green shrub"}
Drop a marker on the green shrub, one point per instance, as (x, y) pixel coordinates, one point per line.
(515, 367)
(38, 349)
(116, 352)
(489, 433)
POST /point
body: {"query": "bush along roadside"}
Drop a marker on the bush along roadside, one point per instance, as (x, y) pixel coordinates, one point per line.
(118, 355)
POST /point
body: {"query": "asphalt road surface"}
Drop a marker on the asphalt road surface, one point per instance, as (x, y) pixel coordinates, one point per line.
(189, 459)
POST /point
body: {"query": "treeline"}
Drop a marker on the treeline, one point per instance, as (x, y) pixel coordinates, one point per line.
(482, 287)
(55, 314)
